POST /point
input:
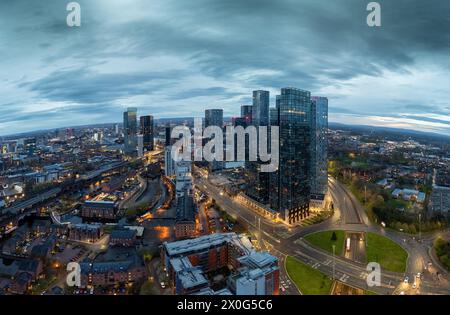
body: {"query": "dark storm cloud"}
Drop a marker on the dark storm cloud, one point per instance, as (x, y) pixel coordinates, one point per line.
(216, 51)
(86, 86)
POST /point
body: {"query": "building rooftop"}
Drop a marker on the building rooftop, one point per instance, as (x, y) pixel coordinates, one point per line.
(209, 291)
(123, 233)
(192, 277)
(205, 242)
(185, 208)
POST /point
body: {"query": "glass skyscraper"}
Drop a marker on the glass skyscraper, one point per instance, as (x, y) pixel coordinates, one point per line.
(260, 110)
(258, 187)
(319, 146)
(246, 113)
(130, 130)
(214, 117)
(290, 185)
(147, 132)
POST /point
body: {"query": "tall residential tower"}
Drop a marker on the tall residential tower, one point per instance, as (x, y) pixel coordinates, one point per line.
(130, 130)
(147, 132)
(290, 185)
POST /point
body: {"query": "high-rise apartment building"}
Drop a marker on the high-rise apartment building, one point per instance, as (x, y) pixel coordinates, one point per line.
(260, 108)
(319, 146)
(290, 185)
(130, 130)
(214, 117)
(259, 187)
(146, 126)
(246, 113)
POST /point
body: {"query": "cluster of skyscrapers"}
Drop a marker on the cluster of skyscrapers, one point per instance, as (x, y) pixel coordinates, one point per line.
(301, 176)
(137, 140)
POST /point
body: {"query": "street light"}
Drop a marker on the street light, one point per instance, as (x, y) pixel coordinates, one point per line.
(334, 262)
(420, 216)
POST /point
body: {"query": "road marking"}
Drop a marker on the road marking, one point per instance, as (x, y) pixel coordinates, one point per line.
(316, 265)
(327, 262)
(344, 278)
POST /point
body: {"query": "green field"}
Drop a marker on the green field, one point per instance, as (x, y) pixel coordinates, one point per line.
(310, 281)
(388, 254)
(323, 241)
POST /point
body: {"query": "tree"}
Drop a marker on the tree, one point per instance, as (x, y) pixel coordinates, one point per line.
(334, 236)
(412, 229)
(148, 289)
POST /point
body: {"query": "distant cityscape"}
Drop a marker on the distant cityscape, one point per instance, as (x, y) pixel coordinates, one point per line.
(113, 199)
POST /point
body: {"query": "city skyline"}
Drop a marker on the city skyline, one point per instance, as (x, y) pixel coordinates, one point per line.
(161, 58)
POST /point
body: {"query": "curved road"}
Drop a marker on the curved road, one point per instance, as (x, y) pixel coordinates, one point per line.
(349, 215)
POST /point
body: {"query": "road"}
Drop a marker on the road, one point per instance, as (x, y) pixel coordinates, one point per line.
(350, 216)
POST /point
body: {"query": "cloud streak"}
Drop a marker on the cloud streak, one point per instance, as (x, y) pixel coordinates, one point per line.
(176, 58)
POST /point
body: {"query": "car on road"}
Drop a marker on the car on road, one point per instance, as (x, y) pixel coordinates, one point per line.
(406, 280)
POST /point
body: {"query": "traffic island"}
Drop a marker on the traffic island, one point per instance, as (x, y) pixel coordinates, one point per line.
(326, 239)
(307, 279)
(390, 255)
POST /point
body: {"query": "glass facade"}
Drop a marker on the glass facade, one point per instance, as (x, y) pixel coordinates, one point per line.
(147, 132)
(260, 109)
(214, 117)
(290, 185)
(258, 188)
(319, 146)
(130, 130)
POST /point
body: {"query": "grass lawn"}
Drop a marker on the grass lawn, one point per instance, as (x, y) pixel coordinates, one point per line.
(323, 241)
(310, 281)
(388, 254)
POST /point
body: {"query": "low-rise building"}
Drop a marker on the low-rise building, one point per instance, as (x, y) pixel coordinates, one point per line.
(122, 237)
(409, 195)
(189, 262)
(185, 225)
(99, 210)
(119, 266)
(85, 232)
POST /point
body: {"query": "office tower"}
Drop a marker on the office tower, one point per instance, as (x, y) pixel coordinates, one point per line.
(169, 163)
(147, 132)
(289, 186)
(116, 129)
(319, 147)
(130, 130)
(140, 145)
(168, 132)
(260, 108)
(246, 113)
(258, 187)
(214, 117)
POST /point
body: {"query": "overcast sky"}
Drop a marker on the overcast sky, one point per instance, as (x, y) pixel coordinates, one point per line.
(177, 58)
